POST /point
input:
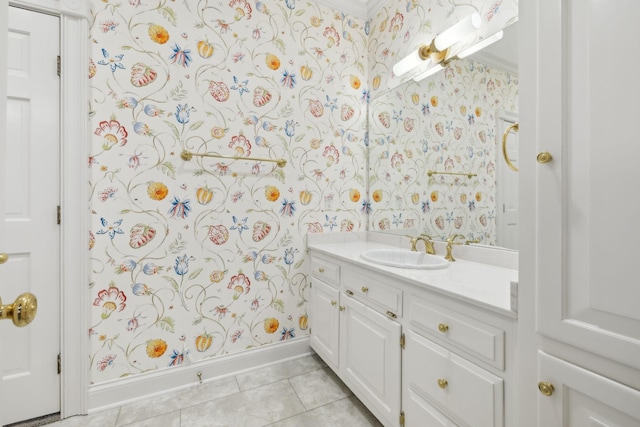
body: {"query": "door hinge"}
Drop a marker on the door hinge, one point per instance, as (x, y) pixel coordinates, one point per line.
(59, 364)
(402, 341)
(59, 215)
(59, 65)
(402, 419)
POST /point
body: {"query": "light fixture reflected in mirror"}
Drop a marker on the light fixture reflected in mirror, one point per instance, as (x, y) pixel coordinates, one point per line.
(438, 49)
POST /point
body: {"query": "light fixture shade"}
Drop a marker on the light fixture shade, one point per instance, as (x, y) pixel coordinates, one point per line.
(429, 72)
(458, 32)
(481, 45)
(407, 63)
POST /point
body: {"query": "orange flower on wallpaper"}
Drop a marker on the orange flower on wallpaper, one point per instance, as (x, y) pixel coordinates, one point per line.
(377, 196)
(272, 61)
(272, 193)
(355, 82)
(434, 196)
(157, 191)
(158, 34)
(156, 348)
(271, 325)
(354, 195)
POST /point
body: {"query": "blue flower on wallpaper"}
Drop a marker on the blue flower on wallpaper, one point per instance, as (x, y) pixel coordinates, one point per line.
(241, 87)
(425, 109)
(288, 79)
(150, 269)
(287, 334)
(425, 145)
(182, 265)
(260, 276)
(289, 255)
(367, 27)
(366, 96)
(180, 56)
(112, 229)
(291, 4)
(426, 207)
(366, 207)
(140, 289)
(471, 119)
(290, 128)
(268, 259)
(268, 126)
(331, 104)
(177, 357)
(397, 221)
(449, 217)
(288, 208)
(179, 208)
(113, 62)
(449, 125)
(397, 115)
(152, 110)
(141, 129)
(182, 113)
(366, 138)
(472, 205)
(331, 222)
(239, 225)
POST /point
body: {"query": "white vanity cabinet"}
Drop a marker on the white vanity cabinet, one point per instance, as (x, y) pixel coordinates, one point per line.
(413, 357)
(352, 333)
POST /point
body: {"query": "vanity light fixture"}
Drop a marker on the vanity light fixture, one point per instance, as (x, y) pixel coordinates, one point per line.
(438, 48)
(480, 45)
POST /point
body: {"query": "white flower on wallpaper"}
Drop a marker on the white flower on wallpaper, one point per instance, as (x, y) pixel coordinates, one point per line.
(200, 258)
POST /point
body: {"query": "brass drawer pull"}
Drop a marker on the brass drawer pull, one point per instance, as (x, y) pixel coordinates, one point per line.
(392, 315)
(348, 292)
(321, 270)
(443, 327)
(546, 388)
(333, 302)
(342, 308)
(442, 383)
(365, 289)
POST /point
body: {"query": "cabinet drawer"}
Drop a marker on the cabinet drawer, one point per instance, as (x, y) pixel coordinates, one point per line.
(371, 291)
(466, 391)
(325, 269)
(479, 339)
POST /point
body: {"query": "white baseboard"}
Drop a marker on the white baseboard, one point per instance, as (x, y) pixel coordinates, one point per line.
(127, 390)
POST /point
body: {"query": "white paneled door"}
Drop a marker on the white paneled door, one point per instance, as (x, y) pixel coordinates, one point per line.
(30, 193)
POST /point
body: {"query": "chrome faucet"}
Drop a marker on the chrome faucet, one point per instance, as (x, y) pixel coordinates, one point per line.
(450, 242)
(428, 243)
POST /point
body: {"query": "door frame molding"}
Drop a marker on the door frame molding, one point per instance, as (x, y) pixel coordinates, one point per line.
(74, 231)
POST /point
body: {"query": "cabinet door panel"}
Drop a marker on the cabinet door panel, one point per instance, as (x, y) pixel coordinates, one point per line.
(419, 413)
(583, 398)
(471, 394)
(586, 216)
(370, 358)
(324, 320)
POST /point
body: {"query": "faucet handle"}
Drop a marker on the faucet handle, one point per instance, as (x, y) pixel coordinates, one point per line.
(468, 242)
(414, 242)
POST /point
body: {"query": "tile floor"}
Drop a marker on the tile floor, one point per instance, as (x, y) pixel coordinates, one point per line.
(302, 392)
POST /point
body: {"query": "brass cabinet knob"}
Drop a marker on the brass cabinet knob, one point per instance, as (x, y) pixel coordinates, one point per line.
(342, 308)
(349, 292)
(392, 315)
(442, 383)
(333, 302)
(22, 311)
(3, 258)
(365, 289)
(546, 388)
(443, 327)
(544, 157)
(321, 270)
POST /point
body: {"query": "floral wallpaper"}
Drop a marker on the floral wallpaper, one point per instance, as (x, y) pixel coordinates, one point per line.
(445, 123)
(197, 258)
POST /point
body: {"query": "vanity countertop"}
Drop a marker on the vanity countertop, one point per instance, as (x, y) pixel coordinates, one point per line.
(492, 287)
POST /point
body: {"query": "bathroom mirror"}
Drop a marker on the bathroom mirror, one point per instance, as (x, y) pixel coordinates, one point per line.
(435, 151)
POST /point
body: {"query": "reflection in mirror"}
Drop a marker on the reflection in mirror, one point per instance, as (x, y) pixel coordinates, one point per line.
(435, 150)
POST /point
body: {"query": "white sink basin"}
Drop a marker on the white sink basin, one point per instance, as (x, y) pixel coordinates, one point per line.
(403, 258)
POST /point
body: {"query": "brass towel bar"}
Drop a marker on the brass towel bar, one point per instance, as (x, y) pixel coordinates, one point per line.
(507, 131)
(468, 175)
(187, 155)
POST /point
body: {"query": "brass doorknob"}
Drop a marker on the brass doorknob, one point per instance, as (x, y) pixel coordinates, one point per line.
(544, 157)
(22, 311)
(3, 258)
(546, 388)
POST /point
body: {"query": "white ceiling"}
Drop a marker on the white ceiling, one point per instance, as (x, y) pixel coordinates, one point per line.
(357, 8)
